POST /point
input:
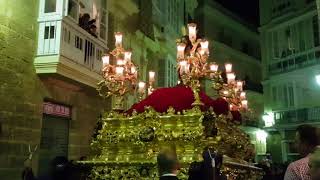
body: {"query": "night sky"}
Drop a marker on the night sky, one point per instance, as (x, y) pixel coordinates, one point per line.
(248, 10)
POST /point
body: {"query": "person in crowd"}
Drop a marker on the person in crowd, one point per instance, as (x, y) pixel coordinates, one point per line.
(209, 168)
(306, 140)
(314, 164)
(60, 169)
(27, 173)
(168, 164)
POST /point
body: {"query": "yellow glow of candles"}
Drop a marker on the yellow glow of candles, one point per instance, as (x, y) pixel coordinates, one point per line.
(180, 50)
(214, 67)
(151, 76)
(231, 77)
(118, 37)
(244, 104)
(242, 95)
(119, 71)
(105, 60)
(127, 56)
(192, 29)
(141, 87)
(225, 93)
(228, 67)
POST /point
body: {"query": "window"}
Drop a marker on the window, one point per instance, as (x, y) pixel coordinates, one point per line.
(50, 6)
(103, 20)
(315, 28)
(73, 9)
(49, 32)
(245, 47)
(284, 95)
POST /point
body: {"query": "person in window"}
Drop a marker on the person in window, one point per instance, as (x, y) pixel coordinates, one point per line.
(84, 22)
(307, 139)
(93, 30)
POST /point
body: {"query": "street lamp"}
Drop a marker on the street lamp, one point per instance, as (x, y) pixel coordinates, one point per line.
(268, 119)
(318, 79)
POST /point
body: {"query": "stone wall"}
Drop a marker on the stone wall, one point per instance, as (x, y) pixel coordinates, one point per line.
(22, 93)
(20, 88)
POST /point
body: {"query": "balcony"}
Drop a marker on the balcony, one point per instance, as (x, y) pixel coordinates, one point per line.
(64, 48)
(297, 116)
(296, 61)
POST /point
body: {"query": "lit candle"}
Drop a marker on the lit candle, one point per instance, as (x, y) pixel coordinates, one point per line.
(239, 85)
(180, 50)
(214, 67)
(118, 36)
(127, 56)
(231, 107)
(183, 67)
(105, 60)
(119, 71)
(231, 77)
(242, 95)
(133, 69)
(225, 93)
(244, 104)
(228, 67)
(141, 87)
(120, 62)
(192, 29)
(205, 45)
(151, 76)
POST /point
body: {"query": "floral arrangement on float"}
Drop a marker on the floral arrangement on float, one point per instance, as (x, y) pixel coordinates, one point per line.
(127, 141)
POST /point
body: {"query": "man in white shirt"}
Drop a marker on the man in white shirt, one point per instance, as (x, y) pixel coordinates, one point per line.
(168, 164)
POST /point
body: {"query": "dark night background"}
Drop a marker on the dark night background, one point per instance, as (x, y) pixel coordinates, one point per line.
(248, 10)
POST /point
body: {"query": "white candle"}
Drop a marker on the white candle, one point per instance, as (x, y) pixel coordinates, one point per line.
(231, 77)
(141, 87)
(133, 69)
(244, 104)
(180, 50)
(105, 60)
(192, 29)
(239, 85)
(242, 95)
(118, 37)
(119, 71)
(205, 46)
(120, 62)
(151, 76)
(228, 67)
(214, 67)
(127, 56)
(183, 67)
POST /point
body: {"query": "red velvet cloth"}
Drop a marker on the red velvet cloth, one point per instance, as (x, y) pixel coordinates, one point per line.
(180, 98)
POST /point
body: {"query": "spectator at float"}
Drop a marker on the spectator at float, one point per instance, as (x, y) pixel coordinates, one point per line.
(306, 140)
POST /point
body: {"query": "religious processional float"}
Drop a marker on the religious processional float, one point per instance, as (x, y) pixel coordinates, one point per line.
(127, 144)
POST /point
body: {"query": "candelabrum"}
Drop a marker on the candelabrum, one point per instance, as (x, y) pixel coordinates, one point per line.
(120, 77)
(192, 65)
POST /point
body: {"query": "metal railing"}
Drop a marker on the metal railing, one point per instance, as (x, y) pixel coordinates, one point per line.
(304, 115)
